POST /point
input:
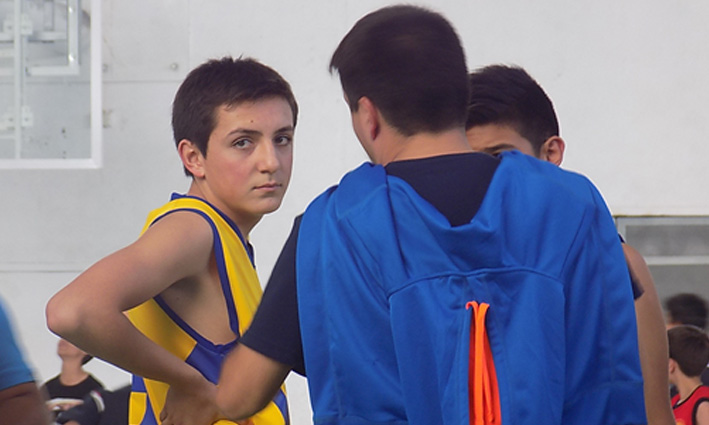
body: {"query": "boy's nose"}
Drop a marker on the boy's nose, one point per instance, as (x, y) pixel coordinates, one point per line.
(268, 158)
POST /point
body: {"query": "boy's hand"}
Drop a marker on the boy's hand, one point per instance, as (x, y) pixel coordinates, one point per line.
(195, 405)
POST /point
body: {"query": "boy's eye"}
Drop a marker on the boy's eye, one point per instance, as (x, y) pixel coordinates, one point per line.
(241, 143)
(283, 140)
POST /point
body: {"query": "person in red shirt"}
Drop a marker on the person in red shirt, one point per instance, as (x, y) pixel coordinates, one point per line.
(689, 355)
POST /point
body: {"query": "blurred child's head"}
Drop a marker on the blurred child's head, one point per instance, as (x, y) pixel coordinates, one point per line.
(686, 309)
(689, 350)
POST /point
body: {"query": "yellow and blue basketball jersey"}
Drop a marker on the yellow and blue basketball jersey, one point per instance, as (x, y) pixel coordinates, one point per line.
(155, 319)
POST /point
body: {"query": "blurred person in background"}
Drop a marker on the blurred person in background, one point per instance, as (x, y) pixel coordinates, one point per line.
(20, 399)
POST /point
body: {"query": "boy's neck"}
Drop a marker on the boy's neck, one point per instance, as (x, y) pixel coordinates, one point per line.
(424, 145)
(245, 224)
(686, 385)
(72, 372)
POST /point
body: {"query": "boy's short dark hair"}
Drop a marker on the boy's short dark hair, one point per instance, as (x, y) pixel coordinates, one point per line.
(219, 82)
(687, 309)
(409, 62)
(689, 347)
(509, 96)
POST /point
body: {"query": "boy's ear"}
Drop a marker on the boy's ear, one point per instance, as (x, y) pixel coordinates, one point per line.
(369, 117)
(191, 157)
(553, 150)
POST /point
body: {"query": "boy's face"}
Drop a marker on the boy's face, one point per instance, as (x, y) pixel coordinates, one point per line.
(66, 349)
(249, 159)
(493, 139)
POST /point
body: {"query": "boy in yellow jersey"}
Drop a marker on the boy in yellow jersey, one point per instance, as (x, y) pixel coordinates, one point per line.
(510, 110)
(170, 306)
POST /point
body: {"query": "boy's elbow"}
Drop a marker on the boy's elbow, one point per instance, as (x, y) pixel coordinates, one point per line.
(248, 382)
(235, 408)
(62, 318)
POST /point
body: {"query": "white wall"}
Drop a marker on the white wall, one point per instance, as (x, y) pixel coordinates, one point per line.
(628, 80)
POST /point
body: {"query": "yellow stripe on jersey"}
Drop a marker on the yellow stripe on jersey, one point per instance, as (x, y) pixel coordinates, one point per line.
(138, 403)
(154, 323)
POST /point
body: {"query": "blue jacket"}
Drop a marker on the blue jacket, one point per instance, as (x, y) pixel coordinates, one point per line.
(13, 369)
(383, 282)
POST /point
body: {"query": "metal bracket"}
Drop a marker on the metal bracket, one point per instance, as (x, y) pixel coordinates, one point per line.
(26, 26)
(7, 120)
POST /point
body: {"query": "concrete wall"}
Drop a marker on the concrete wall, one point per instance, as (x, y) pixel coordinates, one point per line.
(628, 80)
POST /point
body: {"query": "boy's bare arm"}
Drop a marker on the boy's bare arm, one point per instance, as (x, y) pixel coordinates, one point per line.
(23, 404)
(248, 382)
(652, 341)
(703, 414)
(89, 311)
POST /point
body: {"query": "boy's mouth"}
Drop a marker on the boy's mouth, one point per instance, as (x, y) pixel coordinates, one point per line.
(269, 186)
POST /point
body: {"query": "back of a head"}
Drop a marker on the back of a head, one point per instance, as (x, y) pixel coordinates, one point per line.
(687, 309)
(689, 347)
(509, 96)
(222, 82)
(409, 62)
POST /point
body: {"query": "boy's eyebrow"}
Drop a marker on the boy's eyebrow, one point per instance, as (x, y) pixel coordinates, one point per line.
(285, 129)
(250, 132)
(498, 147)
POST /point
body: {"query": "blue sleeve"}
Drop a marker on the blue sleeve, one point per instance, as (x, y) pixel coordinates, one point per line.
(603, 379)
(13, 370)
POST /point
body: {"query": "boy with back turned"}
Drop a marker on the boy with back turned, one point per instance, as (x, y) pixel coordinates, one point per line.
(436, 285)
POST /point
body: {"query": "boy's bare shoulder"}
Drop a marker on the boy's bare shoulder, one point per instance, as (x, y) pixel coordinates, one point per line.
(182, 225)
(181, 241)
(174, 248)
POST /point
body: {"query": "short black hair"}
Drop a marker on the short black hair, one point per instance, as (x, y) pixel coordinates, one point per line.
(689, 347)
(222, 82)
(409, 62)
(687, 309)
(509, 96)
